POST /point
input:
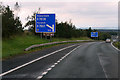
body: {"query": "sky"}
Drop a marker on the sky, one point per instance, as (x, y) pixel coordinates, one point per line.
(98, 15)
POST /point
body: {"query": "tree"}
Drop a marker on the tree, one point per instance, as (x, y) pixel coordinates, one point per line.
(31, 22)
(104, 35)
(10, 25)
(89, 32)
(64, 30)
(16, 9)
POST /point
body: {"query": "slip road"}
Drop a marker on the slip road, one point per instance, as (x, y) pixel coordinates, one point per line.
(83, 60)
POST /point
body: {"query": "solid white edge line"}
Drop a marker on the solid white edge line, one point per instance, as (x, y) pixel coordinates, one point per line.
(114, 46)
(59, 61)
(2, 74)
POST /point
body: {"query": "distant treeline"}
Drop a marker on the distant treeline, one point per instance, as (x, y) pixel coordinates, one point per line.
(107, 30)
(63, 29)
(68, 30)
(12, 25)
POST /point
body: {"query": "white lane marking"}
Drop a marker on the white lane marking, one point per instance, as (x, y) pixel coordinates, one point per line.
(52, 66)
(56, 63)
(39, 77)
(59, 61)
(114, 46)
(2, 74)
(62, 57)
(102, 66)
(44, 73)
(49, 69)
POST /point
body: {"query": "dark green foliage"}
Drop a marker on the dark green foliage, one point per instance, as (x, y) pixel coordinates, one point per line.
(10, 25)
(31, 23)
(104, 35)
(68, 30)
(89, 32)
(63, 29)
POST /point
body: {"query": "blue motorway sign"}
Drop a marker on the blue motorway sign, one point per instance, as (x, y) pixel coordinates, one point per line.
(94, 34)
(45, 23)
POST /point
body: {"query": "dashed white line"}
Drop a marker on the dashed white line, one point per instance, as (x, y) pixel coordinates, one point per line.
(2, 74)
(57, 62)
(39, 77)
(53, 66)
(49, 69)
(60, 59)
(44, 73)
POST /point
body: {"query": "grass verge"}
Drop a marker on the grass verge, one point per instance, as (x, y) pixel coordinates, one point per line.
(117, 44)
(16, 45)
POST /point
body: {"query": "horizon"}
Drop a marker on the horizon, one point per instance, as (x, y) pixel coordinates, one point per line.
(82, 14)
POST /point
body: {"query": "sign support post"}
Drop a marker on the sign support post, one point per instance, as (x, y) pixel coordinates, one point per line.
(41, 35)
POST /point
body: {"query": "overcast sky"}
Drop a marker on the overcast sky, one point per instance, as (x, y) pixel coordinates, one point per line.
(98, 15)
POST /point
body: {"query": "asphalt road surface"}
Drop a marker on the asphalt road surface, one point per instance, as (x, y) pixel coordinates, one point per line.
(81, 60)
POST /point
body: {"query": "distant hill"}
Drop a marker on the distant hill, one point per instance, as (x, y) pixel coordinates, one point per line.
(107, 30)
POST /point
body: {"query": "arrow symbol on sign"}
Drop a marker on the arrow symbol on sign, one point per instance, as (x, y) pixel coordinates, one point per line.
(51, 27)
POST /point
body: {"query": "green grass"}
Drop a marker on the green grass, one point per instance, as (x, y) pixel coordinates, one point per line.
(17, 44)
(117, 44)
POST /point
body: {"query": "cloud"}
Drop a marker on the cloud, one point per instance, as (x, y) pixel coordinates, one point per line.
(82, 14)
